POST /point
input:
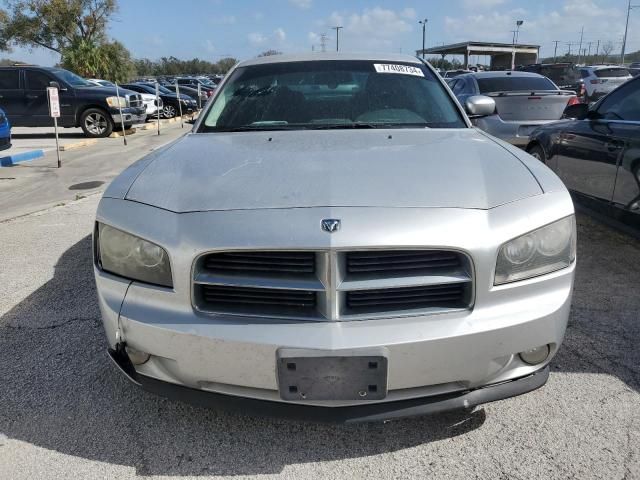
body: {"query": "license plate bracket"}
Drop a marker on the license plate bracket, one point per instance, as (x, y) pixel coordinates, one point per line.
(332, 377)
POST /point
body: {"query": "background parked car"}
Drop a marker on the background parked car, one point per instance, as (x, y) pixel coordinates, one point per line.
(455, 73)
(5, 131)
(171, 107)
(602, 79)
(523, 102)
(565, 75)
(206, 85)
(101, 83)
(597, 152)
(188, 91)
(23, 90)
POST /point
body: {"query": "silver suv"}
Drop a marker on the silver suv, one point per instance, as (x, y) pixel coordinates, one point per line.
(334, 240)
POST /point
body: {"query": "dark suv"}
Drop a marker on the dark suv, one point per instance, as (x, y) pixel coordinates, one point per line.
(565, 75)
(23, 96)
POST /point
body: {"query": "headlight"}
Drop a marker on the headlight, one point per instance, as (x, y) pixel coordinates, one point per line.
(126, 255)
(542, 251)
(115, 102)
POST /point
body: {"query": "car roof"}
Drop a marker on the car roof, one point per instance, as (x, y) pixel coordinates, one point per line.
(319, 56)
(600, 67)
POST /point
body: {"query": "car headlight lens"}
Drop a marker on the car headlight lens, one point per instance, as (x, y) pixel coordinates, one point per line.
(542, 251)
(116, 102)
(126, 255)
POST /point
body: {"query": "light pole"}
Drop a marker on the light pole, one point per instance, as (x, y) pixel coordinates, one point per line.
(424, 34)
(337, 29)
(516, 33)
(626, 29)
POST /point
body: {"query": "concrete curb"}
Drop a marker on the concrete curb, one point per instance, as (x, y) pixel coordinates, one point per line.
(81, 144)
(11, 160)
(118, 134)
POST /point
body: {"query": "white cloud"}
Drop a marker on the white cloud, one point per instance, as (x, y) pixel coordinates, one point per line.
(303, 4)
(371, 29)
(256, 39)
(482, 4)
(280, 35)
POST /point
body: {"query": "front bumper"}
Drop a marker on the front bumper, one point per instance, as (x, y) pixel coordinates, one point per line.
(129, 116)
(429, 356)
(375, 412)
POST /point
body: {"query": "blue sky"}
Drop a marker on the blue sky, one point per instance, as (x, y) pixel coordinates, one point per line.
(210, 29)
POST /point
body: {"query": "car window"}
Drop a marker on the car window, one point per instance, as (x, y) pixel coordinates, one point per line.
(584, 73)
(332, 94)
(514, 84)
(560, 74)
(70, 77)
(622, 104)
(37, 80)
(612, 72)
(9, 79)
(459, 87)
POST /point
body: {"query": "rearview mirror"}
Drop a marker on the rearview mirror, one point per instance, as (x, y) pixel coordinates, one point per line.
(480, 106)
(579, 111)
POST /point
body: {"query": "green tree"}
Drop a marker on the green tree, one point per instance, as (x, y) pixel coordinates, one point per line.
(225, 64)
(56, 25)
(118, 65)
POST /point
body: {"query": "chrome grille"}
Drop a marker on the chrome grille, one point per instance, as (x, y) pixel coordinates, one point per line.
(333, 285)
(135, 100)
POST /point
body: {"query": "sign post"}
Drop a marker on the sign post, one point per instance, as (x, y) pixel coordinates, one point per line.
(158, 104)
(124, 133)
(54, 112)
(179, 105)
(199, 96)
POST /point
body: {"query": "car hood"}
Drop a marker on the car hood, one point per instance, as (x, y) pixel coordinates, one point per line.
(458, 168)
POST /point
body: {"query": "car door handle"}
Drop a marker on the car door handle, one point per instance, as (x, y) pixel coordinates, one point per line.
(614, 145)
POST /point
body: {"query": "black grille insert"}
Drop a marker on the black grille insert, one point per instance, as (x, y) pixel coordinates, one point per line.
(453, 295)
(401, 262)
(259, 300)
(261, 263)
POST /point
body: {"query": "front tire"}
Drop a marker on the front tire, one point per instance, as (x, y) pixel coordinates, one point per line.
(169, 111)
(536, 151)
(96, 123)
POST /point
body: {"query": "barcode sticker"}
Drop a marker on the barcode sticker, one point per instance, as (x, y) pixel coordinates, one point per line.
(401, 69)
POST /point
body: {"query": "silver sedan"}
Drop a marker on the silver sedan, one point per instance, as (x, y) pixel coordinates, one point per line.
(334, 240)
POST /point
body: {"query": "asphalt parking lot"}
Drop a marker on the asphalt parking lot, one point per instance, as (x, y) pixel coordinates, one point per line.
(66, 413)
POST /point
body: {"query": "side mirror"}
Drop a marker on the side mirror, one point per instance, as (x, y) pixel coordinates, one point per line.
(579, 111)
(57, 85)
(480, 106)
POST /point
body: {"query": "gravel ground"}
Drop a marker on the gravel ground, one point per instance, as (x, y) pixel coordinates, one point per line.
(66, 413)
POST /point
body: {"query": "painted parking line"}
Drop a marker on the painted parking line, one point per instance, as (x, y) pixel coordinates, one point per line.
(10, 160)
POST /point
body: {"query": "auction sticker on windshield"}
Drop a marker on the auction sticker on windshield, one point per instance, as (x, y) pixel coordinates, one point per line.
(402, 69)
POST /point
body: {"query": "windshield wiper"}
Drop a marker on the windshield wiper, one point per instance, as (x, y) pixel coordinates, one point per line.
(249, 128)
(339, 126)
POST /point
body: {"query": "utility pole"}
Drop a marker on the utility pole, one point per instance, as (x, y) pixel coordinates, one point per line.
(589, 54)
(555, 51)
(424, 35)
(597, 50)
(626, 29)
(580, 47)
(337, 29)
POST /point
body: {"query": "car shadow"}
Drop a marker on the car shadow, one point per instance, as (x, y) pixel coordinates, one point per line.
(604, 325)
(61, 134)
(60, 392)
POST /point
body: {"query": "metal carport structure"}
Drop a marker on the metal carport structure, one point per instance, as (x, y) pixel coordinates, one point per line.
(501, 54)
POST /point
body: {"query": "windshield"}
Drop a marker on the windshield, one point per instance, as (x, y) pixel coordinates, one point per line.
(514, 84)
(161, 88)
(612, 72)
(71, 78)
(332, 94)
